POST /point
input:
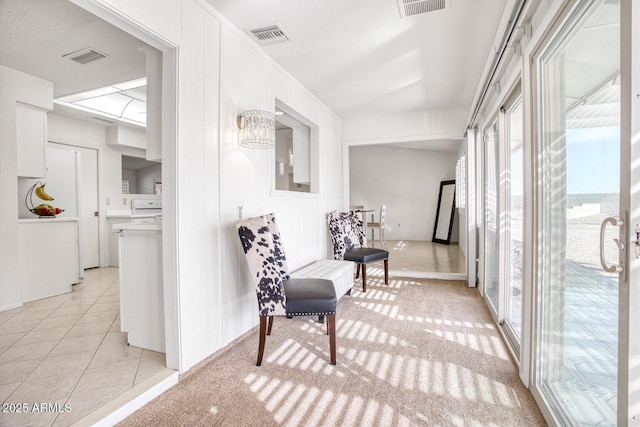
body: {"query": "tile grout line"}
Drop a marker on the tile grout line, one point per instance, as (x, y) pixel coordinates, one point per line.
(94, 353)
(87, 367)
(60, 339)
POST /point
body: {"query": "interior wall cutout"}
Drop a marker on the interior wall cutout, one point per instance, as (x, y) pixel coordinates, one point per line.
(296, 152)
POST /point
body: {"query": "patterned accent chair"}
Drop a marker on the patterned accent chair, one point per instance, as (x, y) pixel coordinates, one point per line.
(350, 243)
(278, 293)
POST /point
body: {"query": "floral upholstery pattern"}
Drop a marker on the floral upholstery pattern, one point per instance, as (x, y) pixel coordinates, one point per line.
(261, 255)
(347, 232)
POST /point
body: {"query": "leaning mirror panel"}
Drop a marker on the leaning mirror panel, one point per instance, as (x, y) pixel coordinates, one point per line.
(445, 212)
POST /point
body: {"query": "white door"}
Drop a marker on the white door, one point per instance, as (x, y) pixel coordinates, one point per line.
(89, 232)
(512, 227)
(88, 206)
(588, 349)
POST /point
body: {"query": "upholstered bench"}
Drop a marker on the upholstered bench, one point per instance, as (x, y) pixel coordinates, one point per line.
(339, 272)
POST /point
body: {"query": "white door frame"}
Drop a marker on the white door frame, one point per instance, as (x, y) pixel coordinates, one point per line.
(628, 411)
(169, 165)
(629, 291)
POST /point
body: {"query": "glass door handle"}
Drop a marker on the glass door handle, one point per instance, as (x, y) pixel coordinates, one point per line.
(617, 223)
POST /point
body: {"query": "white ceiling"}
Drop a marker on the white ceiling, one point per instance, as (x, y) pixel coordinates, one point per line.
(358, 56)
(35, 34)
(361, 58)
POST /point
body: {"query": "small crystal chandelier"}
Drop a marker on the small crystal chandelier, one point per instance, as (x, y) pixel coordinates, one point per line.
(257, 129)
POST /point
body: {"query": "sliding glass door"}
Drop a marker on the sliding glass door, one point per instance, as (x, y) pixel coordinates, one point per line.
(579, 188)
(491, 217)
(514, 226)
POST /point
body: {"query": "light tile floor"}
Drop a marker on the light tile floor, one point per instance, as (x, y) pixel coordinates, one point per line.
(67, 353)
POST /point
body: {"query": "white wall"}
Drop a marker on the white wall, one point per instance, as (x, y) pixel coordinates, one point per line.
(248, 80)
(406, 180)
(206, 175)
(404, 127)
(14, 87)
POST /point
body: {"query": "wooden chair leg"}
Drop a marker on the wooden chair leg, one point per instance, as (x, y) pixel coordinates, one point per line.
(357, 270)
(331, 326)
(386, 271)
(270, 325)
(263, 333)
(364, 277)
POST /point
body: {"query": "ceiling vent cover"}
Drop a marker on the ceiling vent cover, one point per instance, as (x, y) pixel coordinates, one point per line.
(416, 7)
(84, 56)
(270, 34)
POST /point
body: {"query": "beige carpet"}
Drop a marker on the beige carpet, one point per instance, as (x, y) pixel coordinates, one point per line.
(416, 352)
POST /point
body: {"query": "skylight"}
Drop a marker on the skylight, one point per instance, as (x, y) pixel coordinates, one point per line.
(124, 101)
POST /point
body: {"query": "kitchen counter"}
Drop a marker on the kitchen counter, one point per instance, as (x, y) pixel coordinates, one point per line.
(141, 290)
(124, 213)
(47, 219)
(128, 214)
(156, 226)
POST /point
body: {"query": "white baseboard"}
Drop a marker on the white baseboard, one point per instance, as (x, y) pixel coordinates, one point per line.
(134, 399)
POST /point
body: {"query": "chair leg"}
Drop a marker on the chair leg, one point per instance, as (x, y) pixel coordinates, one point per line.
(357, 270)
(364, 277)
(270, 325)
(263, 334)
(331, 326)
(386, 271)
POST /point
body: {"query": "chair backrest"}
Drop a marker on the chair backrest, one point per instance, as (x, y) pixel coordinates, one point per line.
(383, 211)
(265, 268)
(278, 246)
(347, 232)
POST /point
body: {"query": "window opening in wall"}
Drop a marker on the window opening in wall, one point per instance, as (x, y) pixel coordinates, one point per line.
(296, 159)
(141, 176)
(461, 182)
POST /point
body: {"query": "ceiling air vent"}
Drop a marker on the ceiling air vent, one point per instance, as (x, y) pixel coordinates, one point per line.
(84, 56)
(270, 34)
(416, 7)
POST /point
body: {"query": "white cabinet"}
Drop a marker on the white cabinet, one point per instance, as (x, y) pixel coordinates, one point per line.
(118, 218)
(49, 257)
(126, 136)
(141, 290)
(31, 136)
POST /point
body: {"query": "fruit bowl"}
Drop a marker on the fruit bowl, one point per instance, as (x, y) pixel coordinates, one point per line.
(42, 210)
(46, 211)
